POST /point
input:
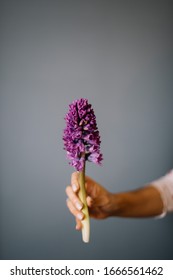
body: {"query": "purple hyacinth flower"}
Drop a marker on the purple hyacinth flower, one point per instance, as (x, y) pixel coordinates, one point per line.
(81, 135)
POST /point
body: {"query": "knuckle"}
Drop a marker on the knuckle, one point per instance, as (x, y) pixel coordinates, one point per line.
(73, 211)
(67, 189)
(74, 176)
(68, 202)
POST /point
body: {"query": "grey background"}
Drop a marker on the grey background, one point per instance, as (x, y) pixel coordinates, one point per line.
(118, 54)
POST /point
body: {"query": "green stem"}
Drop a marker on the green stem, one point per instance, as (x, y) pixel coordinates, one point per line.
(82, 196)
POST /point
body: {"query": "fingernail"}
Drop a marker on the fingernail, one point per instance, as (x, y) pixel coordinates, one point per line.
(89, 201)
(74, 188)
(78, 205)
(80, 216)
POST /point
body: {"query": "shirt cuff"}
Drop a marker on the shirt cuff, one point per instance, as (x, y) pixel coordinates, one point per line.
(164, 185)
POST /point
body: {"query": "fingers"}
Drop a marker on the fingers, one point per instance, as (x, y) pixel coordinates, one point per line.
(89, 201)
(89, 184)
(74, 204)
(74, 181)
(78, 224)
(78, 214)
(74, 198)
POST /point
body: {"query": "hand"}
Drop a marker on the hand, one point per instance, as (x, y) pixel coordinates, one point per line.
(98, 200)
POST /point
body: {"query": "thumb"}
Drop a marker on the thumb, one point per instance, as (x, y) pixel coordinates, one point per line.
(90, 186)
(89, 201)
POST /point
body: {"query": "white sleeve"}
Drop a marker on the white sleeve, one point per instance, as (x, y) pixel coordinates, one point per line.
(165, 187)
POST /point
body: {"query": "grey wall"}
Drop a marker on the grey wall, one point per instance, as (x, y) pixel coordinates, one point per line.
(118, 54)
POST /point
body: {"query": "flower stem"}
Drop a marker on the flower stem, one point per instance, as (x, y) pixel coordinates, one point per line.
(82, 196)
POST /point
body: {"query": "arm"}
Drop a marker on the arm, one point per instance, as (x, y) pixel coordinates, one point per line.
(143, 202)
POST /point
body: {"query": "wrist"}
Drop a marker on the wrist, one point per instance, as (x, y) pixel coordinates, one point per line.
(116, 204)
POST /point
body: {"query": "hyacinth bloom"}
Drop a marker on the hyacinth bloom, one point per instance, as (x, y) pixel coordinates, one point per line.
(82, 143)
(81, 136)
